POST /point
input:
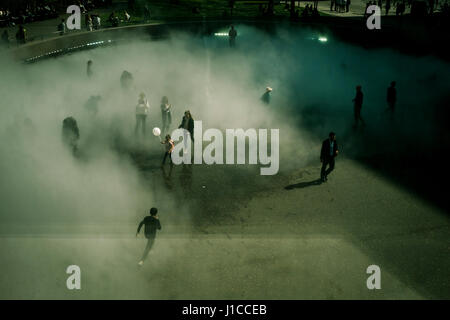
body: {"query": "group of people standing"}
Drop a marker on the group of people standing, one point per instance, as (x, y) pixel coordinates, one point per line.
(330, 150)
(391, 99)
(187, 123)
(340, 5)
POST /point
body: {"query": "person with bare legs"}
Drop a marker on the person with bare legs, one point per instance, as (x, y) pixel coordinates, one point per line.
(169, 149)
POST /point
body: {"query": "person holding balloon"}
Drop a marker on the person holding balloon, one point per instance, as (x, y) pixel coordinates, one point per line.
(169, 148)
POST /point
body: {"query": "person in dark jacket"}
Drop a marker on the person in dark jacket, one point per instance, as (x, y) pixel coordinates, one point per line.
(70, 133)
(358, 101)
(151, 224)
(267, 95)
(328, 152)
(188, 125)
(232, 34)
(391, 97)
(21, 35)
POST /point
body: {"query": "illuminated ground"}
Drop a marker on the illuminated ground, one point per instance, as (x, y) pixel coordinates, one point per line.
(311, 242)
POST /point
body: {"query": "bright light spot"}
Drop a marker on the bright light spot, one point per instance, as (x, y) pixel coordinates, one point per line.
(221, 34)
(323, 39)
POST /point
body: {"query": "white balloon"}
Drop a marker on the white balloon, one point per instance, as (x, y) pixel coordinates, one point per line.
(156, 131)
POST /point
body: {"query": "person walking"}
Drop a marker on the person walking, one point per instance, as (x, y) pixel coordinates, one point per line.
(391, 97)
(358, 101)
(152, 224)
(328, 153)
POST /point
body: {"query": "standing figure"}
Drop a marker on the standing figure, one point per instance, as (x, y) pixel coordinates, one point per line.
(126, 80)
(70, 133)
(88, 22)
(147, 15)
(151, 224)
(141, 113)
(91, 105)
(5, 38)
(62, 27)
(169, 148)
(327, 154)
(89, 69)
(188, 125)
(166, 113)
(391, 97)
(127, 16)
(267, 95)
(232, 34)
(358, 101)
(21, 35)
(388, 6)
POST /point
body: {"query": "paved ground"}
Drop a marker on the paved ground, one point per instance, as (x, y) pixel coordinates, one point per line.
(251, 239)
(313, 241)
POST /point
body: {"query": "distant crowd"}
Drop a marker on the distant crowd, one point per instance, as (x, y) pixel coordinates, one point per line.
(16, 12)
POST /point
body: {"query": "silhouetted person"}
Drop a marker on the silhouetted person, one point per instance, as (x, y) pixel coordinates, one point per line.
(328, 152)
(89, 71)
(113, 19)
(70, 133)
(142, 109)
(151, 224)
(168, 142)
(347, 6)
(332, 4)
(400, 8)
(358, 101)
(126, 79)
(388, 6)
(166, 114)
(146, 13)
(232, 34)
(62, 27)
(365, 9)
(5, 38)
(88, 22)
(187, 123)
(267, 95)
(21, 35)
(391, 96)
(92, 105)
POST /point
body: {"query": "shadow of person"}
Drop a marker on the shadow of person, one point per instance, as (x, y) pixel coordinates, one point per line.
(304, 184)
(167, 177)
(186, 179)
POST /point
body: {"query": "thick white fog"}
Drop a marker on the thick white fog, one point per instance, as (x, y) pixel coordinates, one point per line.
(313, 84)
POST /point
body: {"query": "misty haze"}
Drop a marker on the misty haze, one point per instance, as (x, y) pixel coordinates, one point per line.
(225, 228)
